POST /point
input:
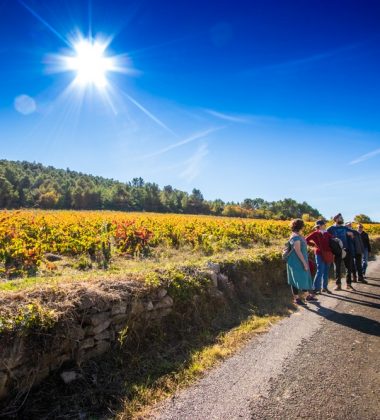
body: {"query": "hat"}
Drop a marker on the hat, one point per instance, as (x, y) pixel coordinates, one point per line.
(320, 223)
(337, 216)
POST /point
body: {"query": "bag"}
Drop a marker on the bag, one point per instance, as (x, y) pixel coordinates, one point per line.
(289, 248)
(336, 246)
(327, 256)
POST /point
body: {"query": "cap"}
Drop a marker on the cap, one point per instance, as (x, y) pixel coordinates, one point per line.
(337, 216)
(320, 223)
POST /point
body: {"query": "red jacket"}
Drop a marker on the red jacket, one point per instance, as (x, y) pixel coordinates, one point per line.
(319, 240)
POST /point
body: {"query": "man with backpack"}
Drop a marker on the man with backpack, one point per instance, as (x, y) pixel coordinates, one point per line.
(341, 232)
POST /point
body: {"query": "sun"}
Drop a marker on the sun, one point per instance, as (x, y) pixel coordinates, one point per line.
(90, 63)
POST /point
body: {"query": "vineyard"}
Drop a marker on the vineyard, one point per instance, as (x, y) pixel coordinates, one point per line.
(27, 238)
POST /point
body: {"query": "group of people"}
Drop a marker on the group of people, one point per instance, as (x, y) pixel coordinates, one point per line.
(339, 244)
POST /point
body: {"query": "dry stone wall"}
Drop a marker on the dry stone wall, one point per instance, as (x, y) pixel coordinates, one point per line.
(90, 332)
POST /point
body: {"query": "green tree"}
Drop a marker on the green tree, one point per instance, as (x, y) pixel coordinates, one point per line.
(362, 218)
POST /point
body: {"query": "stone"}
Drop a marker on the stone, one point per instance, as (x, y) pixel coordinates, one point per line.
(101, 327)
(149, 306)
(100, 348)
(52, 257)
(69, 376)
(158, 314)
(86, 303)
(161, 293)
(137, 307)
(214, 267)
(87, 343)
(222, 281)
(100, 318)
(214, 278)
(76, 333)
(223, 277)
(166, 302)
(120, 308)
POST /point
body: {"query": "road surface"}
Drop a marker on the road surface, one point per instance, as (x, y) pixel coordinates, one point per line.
(323, 362)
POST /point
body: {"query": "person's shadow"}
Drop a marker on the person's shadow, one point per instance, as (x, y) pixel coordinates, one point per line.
(373, 284)
(365, 294)
(355, 300)
(356, 322)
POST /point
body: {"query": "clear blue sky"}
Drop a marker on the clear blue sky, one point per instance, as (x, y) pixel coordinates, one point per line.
(255, 98)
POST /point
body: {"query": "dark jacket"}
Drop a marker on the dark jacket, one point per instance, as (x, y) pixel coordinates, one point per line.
(365, 240)
(340, 232)
(358, 243)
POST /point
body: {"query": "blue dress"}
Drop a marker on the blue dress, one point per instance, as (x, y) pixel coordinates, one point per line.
(297, 276)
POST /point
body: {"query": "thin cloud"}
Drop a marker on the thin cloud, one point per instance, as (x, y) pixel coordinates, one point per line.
(293, 64)
(149, 114)
(226, 117)
(193, 165)
(365, 157)
(190, 139)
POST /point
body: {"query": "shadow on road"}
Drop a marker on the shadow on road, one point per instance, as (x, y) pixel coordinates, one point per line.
(350, 299)
(373, 284)
(365, 294)
(356, 322)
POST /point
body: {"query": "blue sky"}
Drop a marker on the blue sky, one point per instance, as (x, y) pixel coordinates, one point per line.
(240, 99)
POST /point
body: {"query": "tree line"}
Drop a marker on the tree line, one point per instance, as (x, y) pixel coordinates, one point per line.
(33, 185)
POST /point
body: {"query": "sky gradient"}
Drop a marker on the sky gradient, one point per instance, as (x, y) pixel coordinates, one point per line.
(240, 99)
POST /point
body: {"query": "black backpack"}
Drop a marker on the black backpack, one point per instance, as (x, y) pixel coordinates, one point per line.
(335, 245)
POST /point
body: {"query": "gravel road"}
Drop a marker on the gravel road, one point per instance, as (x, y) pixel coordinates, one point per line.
(323, 362)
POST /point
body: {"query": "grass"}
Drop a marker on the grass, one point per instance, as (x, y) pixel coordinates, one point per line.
(135, 376)
(200, 361)
(161, 258)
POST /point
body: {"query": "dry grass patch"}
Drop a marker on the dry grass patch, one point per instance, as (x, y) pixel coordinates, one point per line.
(227, 343)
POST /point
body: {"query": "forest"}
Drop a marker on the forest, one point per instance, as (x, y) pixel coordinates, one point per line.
(33, 185)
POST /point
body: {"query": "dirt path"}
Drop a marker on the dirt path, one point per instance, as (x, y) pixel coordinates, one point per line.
(323, 362)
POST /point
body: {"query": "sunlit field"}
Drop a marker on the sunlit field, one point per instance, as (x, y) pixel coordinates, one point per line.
(37, 241)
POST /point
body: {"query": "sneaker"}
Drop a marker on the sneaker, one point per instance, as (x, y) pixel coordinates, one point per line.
(338, 287)
(326, 290)
(311, 298)
(362, 280)
(354, 280)
(349, 287)
(317, 291)
(300, 302)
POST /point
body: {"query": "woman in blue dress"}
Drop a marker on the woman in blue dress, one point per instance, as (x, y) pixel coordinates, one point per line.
(298, 270)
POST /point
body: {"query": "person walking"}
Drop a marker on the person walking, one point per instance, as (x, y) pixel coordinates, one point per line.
(367, 247)
(319, 240)
(338, 230)
(298, 270)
